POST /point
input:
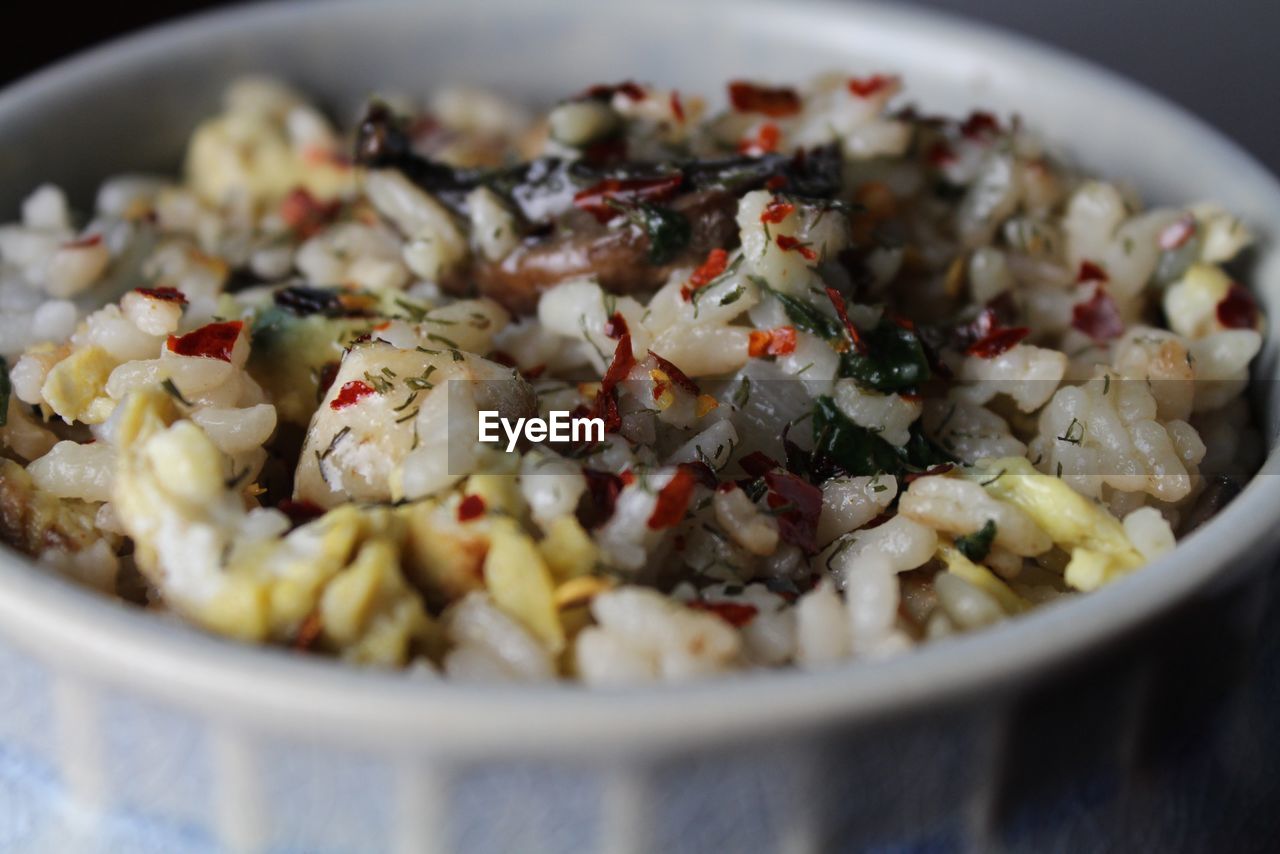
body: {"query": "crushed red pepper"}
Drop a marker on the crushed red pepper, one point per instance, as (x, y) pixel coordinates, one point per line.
(771, 342)
(471, 507)
(596, 199)
(1098, 317)
(707, 272)
(773, 102)
(350, 394)
(212, 341)
(673, 500)
(164, 294)
(736, 614)
(787, 243)
(1238, 309)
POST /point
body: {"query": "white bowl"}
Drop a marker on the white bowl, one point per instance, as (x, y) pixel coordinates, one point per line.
(123, 729)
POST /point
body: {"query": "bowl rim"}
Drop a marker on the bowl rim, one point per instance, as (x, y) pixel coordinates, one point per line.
(66, 626)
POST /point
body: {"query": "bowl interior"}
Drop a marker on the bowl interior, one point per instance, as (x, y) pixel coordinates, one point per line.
(130, 106)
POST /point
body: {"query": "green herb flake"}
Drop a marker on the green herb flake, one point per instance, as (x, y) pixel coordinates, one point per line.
(977, 546)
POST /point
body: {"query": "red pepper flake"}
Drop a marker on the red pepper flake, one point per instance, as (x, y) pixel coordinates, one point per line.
(84, 242)
(940, 154)
(677, 109)
(727, 487)
(776, 211)
(775, 103)
(787, 243)
(616, 326)
(470, 507)
(351, 393)
(775, 183)
(702, 473)
(213, 341)
(978, 124)
(300, 512)
(308, 632)
(943, 468)
(627, 477)
(673, 500)
(607, 150)
(602, 489)
(1238, 309)
(1176, 234)
(605, 92)
(1091, 272)
(843, 313)
(623, 361)
(1098, 317)
(164, 294)
(764, 142)
(736, 614)
(997, 341)
(306, 214)
(865, 87)
(771, 342)
(798, 522)
(596, 198)
(757, 463)
(710, 270)
(678, 376)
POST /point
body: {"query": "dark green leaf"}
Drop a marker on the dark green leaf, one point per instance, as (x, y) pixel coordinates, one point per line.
(850, 447)
(669, 232)
(922, 453)
(803, 315)
(977, 545)
(894, 359)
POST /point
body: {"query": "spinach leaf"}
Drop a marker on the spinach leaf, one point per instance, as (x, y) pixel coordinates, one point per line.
(850, 447)
(922, 453)
(894, 359)
(669, 232)
(977, 546)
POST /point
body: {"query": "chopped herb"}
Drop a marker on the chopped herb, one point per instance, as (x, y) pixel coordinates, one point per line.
(333, 443)
(1074, 433)
(669, 231)
(733, 296)
(742, 394)
(977, 546)
(412, 413)
(167, 384)
(803, 315)
(440, 339)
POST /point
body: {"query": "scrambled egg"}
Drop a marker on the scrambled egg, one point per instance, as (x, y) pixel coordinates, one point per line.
(76, 387)
(1100, 551)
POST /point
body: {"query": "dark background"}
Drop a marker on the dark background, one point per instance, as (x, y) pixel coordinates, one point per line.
(1217, 58)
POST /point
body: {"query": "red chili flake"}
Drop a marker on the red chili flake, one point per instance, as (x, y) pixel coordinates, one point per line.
(607, 150)
(997, 342)
(605, 407)
(764, 142)
(776, 211)
(775, 103)
(978, 124)
(300, 512)
(787, 243)
(213, 341)
(677, 109)
(1238, 309)
(470, 507)
(678, 376)
(673, 500)
(328, 373)
(602, 489)
(702, 473)
(595, 199)
(727, 487)
(1091, 272)
(616, 326)
(736, 614)
(1098, 317)
(798, 523)
(843, 313)
(305, 214)
(708, 272)
(771, 342)
(164, 294)
(865, 87)
(628, 477)
(1178, 233)
(351, 393)
(757, 463)
(623, 362)
(943, 468)
(604, 92)
(84, 242)
(940, 154)
(308, 632)
(775, 183)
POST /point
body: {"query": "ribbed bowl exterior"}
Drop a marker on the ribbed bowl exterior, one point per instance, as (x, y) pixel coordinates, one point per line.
(1151, 733)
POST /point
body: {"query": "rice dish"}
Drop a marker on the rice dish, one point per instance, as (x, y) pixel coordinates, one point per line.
(851, 378)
